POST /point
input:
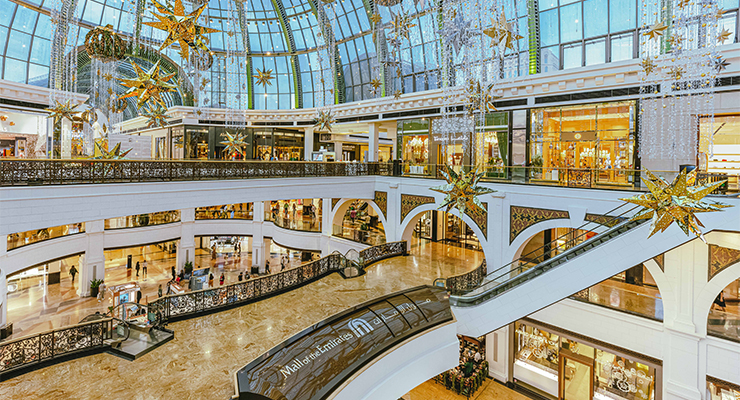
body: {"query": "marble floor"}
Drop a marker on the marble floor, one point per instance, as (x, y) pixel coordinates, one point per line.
(490, 390)
(199, 363)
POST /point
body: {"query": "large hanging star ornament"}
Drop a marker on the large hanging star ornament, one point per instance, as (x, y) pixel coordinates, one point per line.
(376, 84)
(648, 65)
(401, 25)
(675, 202)
(148, 85)
(502, 33)
(156, 116)
(462, 190)
(479, 97)
(235, 144)
(458, 32)
(63, 110)
(724, 36)
(264, 77)
(114, 154)
(182, 28)
(324, 121)
(720, 63)
(656, 30)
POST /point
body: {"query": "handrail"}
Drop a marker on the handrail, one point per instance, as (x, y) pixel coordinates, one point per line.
(462, 283)
(44, 346)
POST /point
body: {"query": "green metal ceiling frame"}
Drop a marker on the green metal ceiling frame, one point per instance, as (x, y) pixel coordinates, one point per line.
(290, 41)
(326, 31)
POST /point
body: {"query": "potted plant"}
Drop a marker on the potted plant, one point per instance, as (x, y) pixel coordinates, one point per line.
(95, 287)
(188, 269)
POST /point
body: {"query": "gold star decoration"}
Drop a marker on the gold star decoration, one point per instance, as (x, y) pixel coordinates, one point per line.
(502, 32)
(479, 97)
(675, 73)
(375, 18)
(397, 94)
(376, 84)
(63, 110)
(156, 116)
(720, 63)
(107, 76)
(182, 28)
(235, 144)
(724, 36)
(682, 3)
(718, 13)
(148, 85)
(656, 30)
(114, 154)
(462, 191)
(648, 65)
(264, 77)
(677, 202)
(401, 25)
(323, 121)
(675, 41)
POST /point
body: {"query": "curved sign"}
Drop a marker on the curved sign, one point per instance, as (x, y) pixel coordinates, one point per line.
(313, 363)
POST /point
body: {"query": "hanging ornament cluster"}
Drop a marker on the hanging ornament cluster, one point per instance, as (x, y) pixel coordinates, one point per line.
(156, 115)
(264, 77)
(105, 44)
(502, 33)
(458, 32)
(462, 191)
(235, 144)
(677, 202)
(182, 28)
(480, 97)
(66, 110)
(323, 121)
(114, 154)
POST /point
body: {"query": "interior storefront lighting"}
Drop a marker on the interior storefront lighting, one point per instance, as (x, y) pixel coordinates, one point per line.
(539, 371)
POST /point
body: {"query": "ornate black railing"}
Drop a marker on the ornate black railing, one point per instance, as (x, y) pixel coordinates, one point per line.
(63, 172)
(189, 304)
(46, 346)
(463, 283)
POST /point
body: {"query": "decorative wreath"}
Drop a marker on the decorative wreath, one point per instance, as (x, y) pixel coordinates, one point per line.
(101, 42)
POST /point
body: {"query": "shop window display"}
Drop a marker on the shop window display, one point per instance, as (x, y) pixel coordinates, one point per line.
(297, 214)
(725, 158)
(134, 221)
(720, 390)
(413, 137)
(361, 224)
(22, 135)
(227, 211)
(20, 239)
(594, 141)
(724, 314)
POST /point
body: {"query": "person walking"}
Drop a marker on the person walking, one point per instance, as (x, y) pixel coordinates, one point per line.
(239, 278)
(101, 292)
(221, 280)
(174, 274)
(210, 280)
(267, 266)
(159, 291)
(283, 262)
(137, 269)
(73, 272)
(138, 296)
(143, 268)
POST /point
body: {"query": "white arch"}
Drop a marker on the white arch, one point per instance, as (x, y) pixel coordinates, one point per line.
(516, 247)
(709, 292)
(337, 214)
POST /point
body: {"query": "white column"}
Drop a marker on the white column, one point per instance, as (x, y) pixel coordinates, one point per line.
(326, 226)
(186, 247)
(337, 150)
(66, 138)
(684, 371)
(392, 134)
(373, 141)
(92, 265)
(258, 239)
(3, 281)
(392, 226)
(307, 143)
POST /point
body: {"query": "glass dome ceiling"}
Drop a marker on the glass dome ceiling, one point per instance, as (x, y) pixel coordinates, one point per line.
(285, 36)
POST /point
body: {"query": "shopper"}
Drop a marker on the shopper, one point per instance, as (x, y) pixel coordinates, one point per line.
(138, 296)
(267, 266)
(719, 301)
(221, 280)
(143, 268)
(159, 291)
(294, 210)
(283, 262)
(101, 292)
(174, 274)
(239, 278)
(137, 269)
(73, 272)
(210, 280)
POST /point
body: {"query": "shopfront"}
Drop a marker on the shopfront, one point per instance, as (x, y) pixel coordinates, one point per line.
(22, 135)
(196, 142)
(492, 144)
(596, 142)
(564, 366)
(724, 156)
(439, 226)
(413, 135)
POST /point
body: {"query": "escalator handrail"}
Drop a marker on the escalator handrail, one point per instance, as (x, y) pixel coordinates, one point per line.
(473, 298)
(126, 325)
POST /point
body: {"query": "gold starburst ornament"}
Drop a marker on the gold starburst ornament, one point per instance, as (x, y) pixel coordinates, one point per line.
(648, 65)
(323, 121)
(182, 28)
(234, 145)
(502, 32)
(148, 85)
(462, 190)
(63, 110)
(656, 30)
(156, 116)
(479, 97)
(264, 77)
(114, 154)
(676, 202)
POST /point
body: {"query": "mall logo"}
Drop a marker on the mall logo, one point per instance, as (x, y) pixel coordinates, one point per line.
(360, 327)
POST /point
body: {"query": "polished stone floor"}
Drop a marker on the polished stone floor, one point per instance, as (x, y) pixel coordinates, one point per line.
(490, 390)
(199, 363)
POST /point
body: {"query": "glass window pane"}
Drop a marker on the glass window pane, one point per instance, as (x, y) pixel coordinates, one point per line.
(596, 51)
(622, 15)
(25, 19)
(549, 28)
(550, 59)
(547, 4)
(19, 45)
(728, 4)
(621, 48)
(572, 56)
(38, 75)
(40, 51)
(570, 29)
(15, 70)
(593, 18)
(93, 12)
(6, 12)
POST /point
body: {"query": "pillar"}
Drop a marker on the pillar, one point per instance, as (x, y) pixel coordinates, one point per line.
(307, 143)
(258, 238)
(337, 149)
(373, 141)
(186, 247)
(92, 264)
(684, 375)
(66, 138)
(3, 281)
(326, 226)
(392, 134)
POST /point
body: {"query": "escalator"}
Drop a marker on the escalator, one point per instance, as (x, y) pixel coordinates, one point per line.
(529, 284)
(144, 330)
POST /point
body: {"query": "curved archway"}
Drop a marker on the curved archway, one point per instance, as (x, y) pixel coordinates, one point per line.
(515, 247)
(359, 225)
(717, 321)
